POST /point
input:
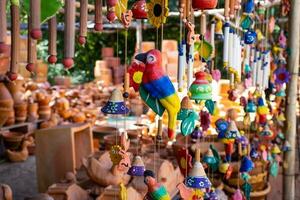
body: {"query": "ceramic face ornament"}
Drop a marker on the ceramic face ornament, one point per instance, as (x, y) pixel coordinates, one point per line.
(250, 37)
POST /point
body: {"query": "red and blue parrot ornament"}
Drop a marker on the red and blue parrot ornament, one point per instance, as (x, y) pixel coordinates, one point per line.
(155, 87)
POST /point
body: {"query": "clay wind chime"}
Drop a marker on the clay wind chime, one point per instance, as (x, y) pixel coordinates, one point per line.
(15, 41)
(34, 33)
(69, 33)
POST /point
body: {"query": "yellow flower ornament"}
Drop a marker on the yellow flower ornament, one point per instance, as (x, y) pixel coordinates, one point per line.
(157, 11)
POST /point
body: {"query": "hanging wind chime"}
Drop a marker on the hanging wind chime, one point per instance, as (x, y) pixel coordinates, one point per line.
(15, 40)
(98, 16)
(52, 24)
(83, 21)
(69, 34)
(35, 16)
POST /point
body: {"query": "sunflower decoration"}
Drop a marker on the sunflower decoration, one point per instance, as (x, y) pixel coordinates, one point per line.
(158, 12)
(136, 71)
(114, 154)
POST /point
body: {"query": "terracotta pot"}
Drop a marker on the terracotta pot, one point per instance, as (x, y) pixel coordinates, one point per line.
(21, 112)
(16, 90)
(11, 118)
(33, 108)
(44, 112)
(44, 101)
(12, 140)
(4, 115)
(204, 4)
(6, 100)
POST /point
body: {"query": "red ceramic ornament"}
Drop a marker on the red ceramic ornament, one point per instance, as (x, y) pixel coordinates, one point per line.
(52, 59)
(204, 4)
(139, 9)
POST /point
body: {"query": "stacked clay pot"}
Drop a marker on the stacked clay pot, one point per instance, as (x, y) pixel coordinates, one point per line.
(44, 109)
(7, 114)
(32, 111)
(20, 106)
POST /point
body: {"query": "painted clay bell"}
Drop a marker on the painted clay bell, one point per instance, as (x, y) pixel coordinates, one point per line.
(197, 177)
(139, 9)
(209, 158)
(221, 127)
(137, 168)
(204, 4)
(233, 131)
(200, 88)
(115, 104)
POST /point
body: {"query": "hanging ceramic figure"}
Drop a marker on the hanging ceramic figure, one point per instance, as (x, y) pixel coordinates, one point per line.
(155, 87)
(116, 104)
(200, 88)
(196, 183)
(156, 191)
(188, 116)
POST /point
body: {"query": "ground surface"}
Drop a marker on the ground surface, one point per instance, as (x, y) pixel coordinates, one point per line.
(22, 178)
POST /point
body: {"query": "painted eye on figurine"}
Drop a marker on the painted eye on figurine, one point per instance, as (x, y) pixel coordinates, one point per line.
(151, 59)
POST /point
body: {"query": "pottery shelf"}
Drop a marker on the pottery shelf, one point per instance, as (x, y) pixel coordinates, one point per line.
(26, 127)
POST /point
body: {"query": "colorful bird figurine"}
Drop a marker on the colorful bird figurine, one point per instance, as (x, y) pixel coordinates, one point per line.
(156, 88)
(156, 191)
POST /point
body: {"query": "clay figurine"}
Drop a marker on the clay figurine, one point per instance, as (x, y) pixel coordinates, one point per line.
(156, 191)
(156, 88)
(18, 156)
(114, 164)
